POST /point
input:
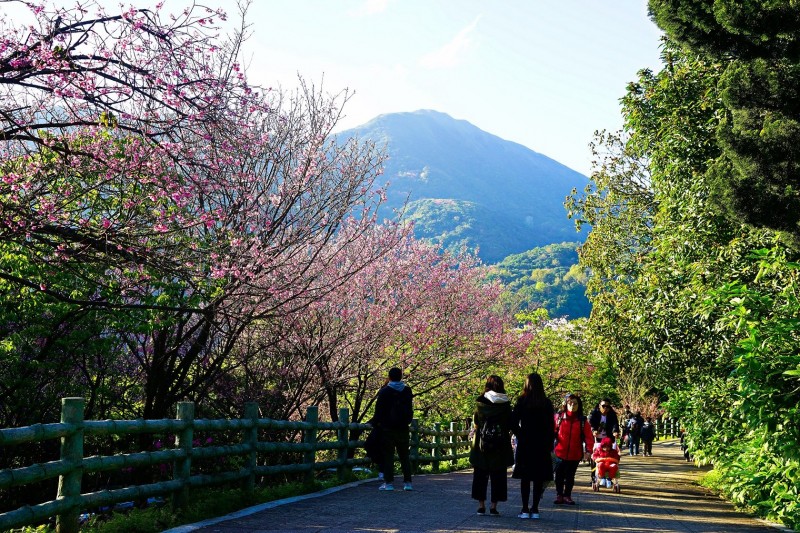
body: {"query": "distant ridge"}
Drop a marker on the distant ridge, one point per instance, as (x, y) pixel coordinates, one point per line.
(468, 187)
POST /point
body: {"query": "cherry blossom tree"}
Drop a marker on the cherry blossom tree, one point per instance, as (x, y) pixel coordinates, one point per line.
(417, 306)
(139, 164)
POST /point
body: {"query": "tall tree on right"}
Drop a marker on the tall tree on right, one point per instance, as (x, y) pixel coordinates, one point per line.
(757, 176)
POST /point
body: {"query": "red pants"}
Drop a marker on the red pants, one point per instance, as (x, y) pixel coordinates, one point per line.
(607, 468)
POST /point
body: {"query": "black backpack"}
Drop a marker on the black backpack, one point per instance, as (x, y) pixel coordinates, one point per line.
(491, 436)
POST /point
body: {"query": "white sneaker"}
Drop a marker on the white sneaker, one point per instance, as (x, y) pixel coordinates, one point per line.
(407, 486)
(535, 516)
(524, 515)
(386, 486)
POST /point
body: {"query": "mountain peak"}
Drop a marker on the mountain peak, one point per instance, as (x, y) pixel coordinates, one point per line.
(506, 198)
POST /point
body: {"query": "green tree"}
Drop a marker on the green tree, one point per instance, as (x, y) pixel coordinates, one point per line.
(756, 177)
(700, 306)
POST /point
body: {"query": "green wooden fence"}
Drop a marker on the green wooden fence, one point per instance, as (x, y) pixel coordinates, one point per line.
(427, 446)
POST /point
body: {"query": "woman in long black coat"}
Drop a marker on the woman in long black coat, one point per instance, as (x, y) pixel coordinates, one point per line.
(534, 426)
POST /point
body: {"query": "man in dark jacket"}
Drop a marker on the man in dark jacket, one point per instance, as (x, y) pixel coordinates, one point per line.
(393, 414)
(605, 423)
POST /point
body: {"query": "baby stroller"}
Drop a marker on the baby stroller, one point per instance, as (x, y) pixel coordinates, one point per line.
(605, 465)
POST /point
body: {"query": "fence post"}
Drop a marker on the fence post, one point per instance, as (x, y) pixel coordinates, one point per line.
(69, 484)
(453, 442)
(414, 452)
(183, 467)
(310, 437)
(344, 439)
(437, 442)
(251, 439)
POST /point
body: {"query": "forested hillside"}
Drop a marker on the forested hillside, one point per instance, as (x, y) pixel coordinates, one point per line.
(548, 277)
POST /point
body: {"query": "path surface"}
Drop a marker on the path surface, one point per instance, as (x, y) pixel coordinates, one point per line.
(658, 494)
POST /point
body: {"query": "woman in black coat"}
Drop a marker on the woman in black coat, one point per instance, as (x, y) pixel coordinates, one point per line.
(534, 426)
(490, 462)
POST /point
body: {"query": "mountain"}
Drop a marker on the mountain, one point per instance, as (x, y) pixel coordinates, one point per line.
(465, 186)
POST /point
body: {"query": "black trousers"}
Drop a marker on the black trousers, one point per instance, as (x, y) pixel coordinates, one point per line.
(480, 482)
(395, 439)
(525, 492)
(565, 477)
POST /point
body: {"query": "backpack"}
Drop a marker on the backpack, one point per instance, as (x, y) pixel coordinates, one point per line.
(491, 437)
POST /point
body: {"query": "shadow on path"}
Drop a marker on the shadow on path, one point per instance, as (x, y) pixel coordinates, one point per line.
(657, 494)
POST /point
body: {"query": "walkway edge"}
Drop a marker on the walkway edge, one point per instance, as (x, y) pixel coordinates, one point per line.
(186, 528)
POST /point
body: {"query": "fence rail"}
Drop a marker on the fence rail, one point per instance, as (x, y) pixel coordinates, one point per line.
(427, 446)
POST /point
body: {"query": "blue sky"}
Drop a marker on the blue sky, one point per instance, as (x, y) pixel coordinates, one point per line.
(543, 73)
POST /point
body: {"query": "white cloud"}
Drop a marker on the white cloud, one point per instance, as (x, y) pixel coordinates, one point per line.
(370, 7)
(451, 53)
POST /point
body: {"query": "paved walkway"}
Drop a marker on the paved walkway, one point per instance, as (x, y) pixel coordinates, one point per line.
(657, 494)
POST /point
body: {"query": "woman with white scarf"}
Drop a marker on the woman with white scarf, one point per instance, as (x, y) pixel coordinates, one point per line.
(491, 452)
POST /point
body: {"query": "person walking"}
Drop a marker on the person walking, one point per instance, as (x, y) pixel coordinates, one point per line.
(648, 434)
(574, 440)
(533, 424)
(605, 423)
(634, 433)
(393, 413)
(491, 452)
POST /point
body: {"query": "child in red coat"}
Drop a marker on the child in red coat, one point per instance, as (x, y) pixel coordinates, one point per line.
(607, 459)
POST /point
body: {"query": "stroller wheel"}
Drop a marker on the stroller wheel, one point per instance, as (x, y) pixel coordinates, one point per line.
(616, 488)
(595, 486)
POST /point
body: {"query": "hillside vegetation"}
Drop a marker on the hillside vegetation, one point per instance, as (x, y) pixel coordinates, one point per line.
(548, 277)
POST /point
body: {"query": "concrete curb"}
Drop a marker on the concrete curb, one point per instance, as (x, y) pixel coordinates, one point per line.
(186, 528)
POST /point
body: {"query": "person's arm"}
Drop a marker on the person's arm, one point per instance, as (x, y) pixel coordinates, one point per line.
(588, 439)
(515, 419)
(380, 408)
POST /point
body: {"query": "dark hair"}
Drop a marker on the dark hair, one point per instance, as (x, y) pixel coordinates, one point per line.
(395, 374)
(607, 402)
(579, 410)
(495, 383)
(533, 392)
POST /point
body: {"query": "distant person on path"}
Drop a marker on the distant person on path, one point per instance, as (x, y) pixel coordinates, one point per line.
(532, 423)
(626, 418)
(574, 441)
(635, 424)
(491, 452)
(393, 414)
(648, 434)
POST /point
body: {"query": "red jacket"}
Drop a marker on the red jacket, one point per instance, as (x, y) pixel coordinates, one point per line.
(569, 445)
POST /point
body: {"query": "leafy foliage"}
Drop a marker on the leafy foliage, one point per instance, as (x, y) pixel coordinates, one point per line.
(547, 277)
(756, 176)
(702, 307)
